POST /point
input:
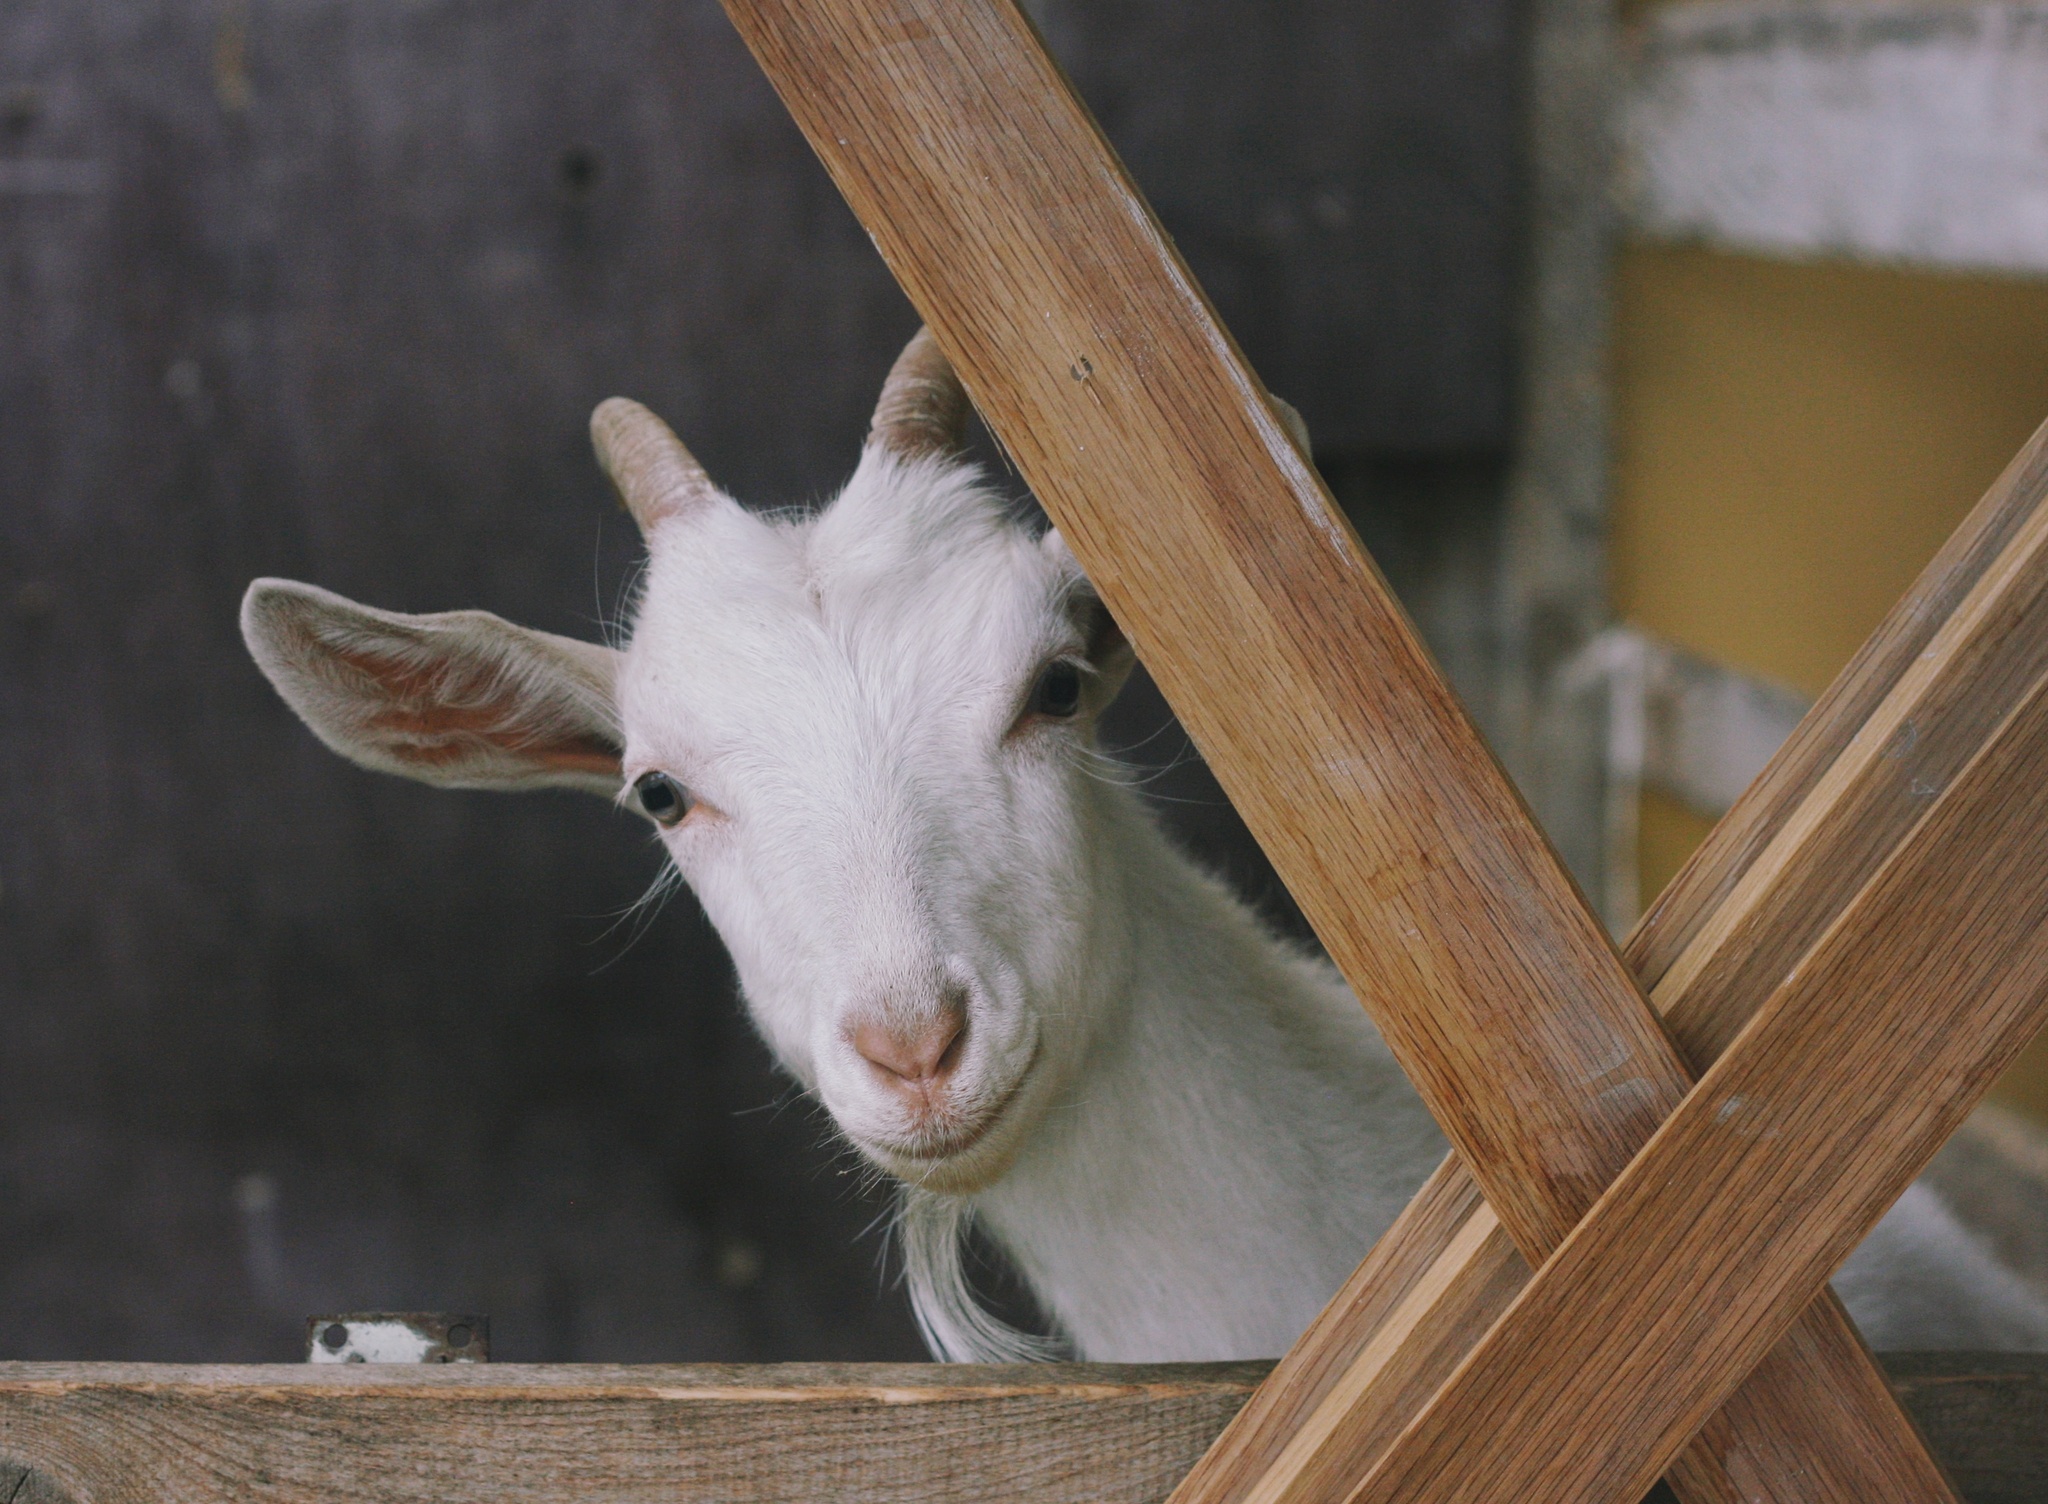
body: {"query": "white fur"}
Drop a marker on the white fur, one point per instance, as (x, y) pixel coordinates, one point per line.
(1183, 1131)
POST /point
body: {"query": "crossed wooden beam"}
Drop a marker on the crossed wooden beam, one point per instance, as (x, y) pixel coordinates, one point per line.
(1681, 1140)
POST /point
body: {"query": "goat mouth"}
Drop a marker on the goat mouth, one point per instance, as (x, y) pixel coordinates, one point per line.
(921, 1155)
(938, 1150)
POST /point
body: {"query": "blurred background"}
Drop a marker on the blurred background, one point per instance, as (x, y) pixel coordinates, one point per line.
(1638, 381)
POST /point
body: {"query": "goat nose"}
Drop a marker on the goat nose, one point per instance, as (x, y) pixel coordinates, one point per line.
(922, 1055)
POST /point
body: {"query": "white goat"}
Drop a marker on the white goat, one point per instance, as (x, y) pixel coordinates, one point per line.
(865, 737)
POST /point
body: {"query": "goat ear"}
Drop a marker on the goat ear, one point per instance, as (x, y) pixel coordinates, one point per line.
(1109, 652)
(462, 699)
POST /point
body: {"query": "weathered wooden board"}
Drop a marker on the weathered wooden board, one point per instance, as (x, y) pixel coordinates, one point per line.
(1106, 374)
(862, 1434)
(794, 1434)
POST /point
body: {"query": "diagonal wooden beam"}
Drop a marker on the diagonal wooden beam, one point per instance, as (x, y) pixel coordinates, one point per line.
(1097, 362)
(1094, 358)
(1867, 1055)
(1927, 691)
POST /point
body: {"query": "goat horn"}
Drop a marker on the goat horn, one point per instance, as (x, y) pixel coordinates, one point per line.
(655, 475)
(923, 408)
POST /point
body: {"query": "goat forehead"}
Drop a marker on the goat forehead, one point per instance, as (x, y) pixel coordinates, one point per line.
(753, 637)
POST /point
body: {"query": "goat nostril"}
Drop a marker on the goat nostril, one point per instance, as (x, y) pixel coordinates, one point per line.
(955, 1047)
(926, 1056)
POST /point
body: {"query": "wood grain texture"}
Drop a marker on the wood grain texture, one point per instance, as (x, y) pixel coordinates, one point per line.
(1094, 357)
(105, 1433)
(901, 1433)
(1411, 1355)
(1342, 179)
(1792, 1146)
(1954, 655)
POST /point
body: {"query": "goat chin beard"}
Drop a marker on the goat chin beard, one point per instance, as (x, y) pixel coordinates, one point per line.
(955, 1172)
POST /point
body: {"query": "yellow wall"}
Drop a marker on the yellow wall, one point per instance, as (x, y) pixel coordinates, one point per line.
(1793, 442)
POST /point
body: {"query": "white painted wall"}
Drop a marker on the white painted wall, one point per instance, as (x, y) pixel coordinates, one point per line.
(1914, 133)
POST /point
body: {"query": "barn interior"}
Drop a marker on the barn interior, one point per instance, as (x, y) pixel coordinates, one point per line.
(328, 291)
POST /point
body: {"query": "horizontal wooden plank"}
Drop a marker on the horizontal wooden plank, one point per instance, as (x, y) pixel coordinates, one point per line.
(94, 1433)
(904, 1433)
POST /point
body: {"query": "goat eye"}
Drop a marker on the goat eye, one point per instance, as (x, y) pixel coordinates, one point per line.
(1058, 691)
(664, 800)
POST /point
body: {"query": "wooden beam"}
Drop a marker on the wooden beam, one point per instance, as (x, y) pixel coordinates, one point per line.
(1869, 1053)
(1094, 358)
(87, 1433)
(922, 1433)
(1953, 656)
